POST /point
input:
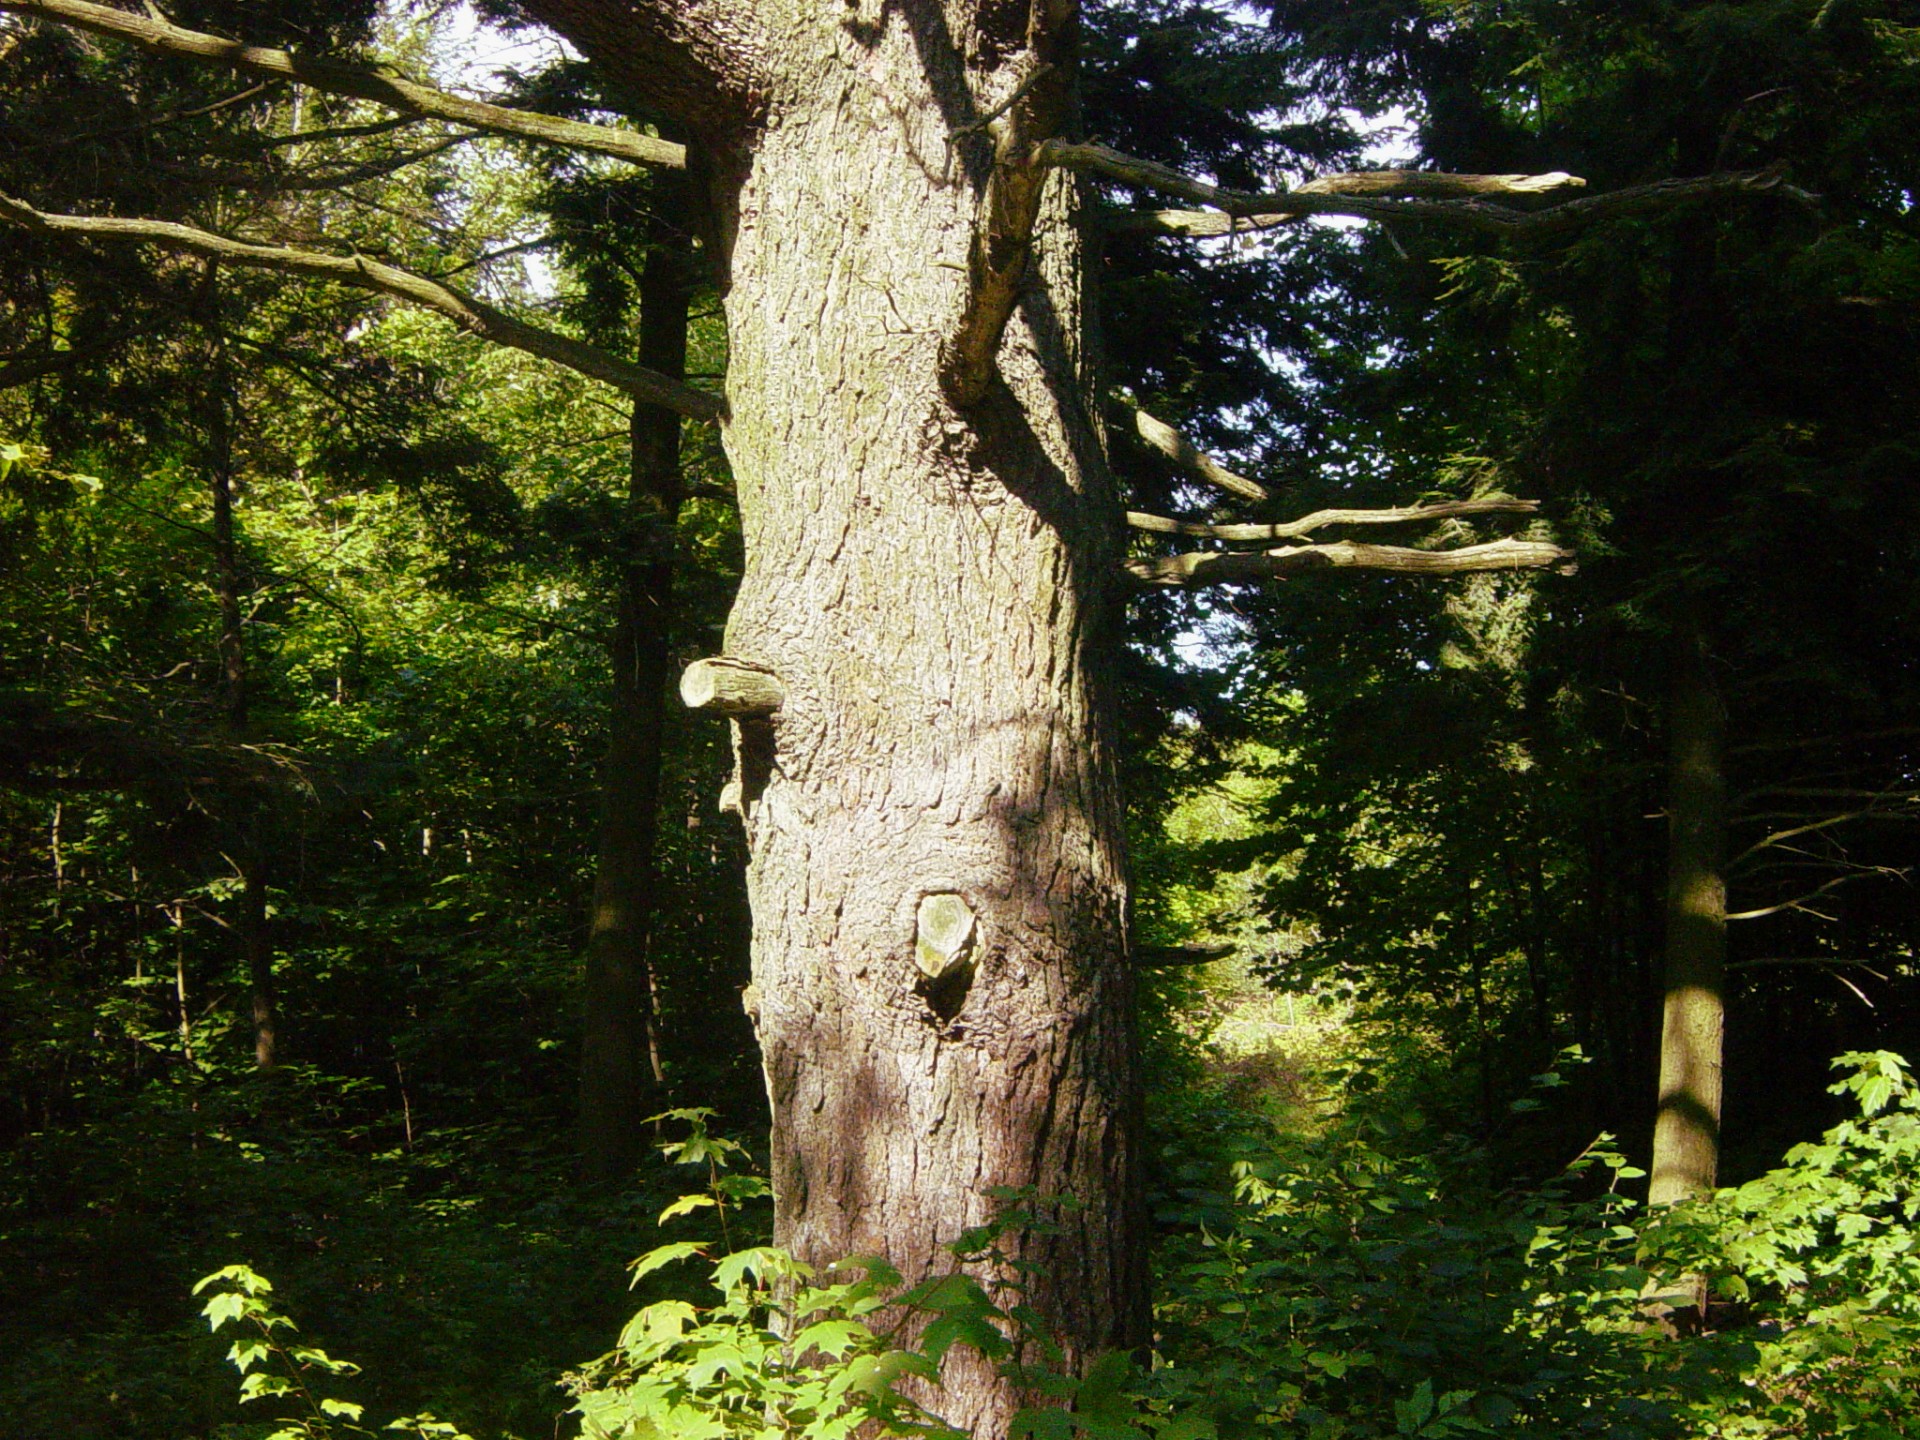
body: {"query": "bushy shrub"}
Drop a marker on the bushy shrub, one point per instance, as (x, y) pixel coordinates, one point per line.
(1823, 1257)
(1369, 1281)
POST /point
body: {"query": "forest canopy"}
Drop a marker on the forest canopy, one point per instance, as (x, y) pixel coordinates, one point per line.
(1125, 719)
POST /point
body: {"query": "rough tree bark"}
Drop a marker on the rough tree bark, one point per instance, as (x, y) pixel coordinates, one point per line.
(619, 1066)
(928, 586)
(1686, 1139)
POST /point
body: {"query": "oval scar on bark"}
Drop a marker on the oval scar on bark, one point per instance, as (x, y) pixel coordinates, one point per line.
(943, 950)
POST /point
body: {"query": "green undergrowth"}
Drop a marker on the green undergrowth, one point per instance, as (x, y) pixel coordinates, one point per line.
(1362, 1280)
(464, 1263)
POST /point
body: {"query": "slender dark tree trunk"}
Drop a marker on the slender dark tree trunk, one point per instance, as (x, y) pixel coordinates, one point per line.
(229, 589)
(620, 1055)
(227, 580)
(1686, 1142)
(1686, 1138)
(253, 936)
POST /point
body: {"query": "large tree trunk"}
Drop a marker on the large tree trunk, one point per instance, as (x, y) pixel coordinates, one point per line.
(619, 1074)
(926, 586)
(1686, 1137)
(941, 985)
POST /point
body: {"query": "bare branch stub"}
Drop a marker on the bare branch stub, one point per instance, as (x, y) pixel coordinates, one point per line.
(363, 273)
(1393, 194)
(1192, 461)
(1009, 206)
(1436, 184)
(724, 685)
(161, 38)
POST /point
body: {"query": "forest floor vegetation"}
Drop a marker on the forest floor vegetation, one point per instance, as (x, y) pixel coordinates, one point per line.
(1332, 1263)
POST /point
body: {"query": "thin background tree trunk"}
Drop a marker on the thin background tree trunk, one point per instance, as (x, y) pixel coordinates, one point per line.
(620, 1077)
(1686, 1137)
(229, 587)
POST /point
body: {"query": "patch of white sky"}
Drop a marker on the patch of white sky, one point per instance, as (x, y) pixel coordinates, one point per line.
(1214, 636)
(470, 55)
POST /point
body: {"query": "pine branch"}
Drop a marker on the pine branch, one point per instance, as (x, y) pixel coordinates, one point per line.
(1224, 567)
(1319, 519)
(464, 310)
(1804, 902)
(161, 38)
(1435, 184)
(1405, 195)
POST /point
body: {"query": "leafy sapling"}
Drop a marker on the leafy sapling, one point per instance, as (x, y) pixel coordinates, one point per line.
(274, 1367)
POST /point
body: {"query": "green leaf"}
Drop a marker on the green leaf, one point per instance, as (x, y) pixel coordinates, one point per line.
(759, 1262)
(874, 1374)
(225, 1309)
(658, 1326)
(663, 1255)
(244, 1278)
(832, 1337)
(260, 1386)
(1102, 1387)
(320, 1360)
(685, 1205)
(246, 1354)
(687, 1115)
(1413, 1414)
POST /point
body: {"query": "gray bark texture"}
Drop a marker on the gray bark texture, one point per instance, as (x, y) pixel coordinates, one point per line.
(928, 586)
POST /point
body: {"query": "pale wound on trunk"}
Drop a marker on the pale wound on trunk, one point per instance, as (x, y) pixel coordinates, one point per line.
(944, 951)
(943, 935)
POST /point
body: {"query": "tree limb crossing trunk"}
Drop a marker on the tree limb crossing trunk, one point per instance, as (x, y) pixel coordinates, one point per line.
(619, 1069)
